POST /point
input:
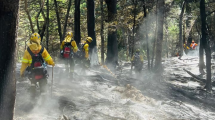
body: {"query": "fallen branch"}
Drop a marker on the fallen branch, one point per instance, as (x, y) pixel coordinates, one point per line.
(194, 76)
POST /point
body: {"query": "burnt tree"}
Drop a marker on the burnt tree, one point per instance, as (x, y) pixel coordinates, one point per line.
(206, 46)
(112, 48)
(91, 22)
(8, 23)
(160, 18)
(102, 32)
(180, 28)
(77, 35)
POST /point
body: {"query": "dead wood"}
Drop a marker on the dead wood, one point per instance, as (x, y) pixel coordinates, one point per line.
(195, 76)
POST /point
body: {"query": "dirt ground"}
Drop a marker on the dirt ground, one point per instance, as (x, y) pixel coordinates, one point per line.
(98, 95)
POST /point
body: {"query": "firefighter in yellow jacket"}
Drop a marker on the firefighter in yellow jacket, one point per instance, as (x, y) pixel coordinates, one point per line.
(84, 53)
(34, 60)
(68, 49)
(137, 61)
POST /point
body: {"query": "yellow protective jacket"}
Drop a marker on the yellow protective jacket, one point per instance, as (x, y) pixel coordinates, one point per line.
(86, 49)
(186, 47)
(73, 44)
(27, 59)
(141, 58)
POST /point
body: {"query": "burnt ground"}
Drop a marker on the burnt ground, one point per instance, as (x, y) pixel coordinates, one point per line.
(98, 95)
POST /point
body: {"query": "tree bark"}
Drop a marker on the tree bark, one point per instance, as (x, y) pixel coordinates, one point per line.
(102, 33)
(8, 23)
(47, 26)
(91, 22)
(77, 36)
(66, 18)
(29, 17)
(146, 30)
(134, 22)
(206, 45)
(155, 36)
(160, 12)
(58, 20)
(112, 48)
(180, 28)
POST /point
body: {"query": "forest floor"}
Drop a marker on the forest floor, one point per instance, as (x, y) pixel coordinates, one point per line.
(99, 96)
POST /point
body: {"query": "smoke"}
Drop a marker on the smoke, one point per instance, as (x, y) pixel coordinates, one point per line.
(94, 60)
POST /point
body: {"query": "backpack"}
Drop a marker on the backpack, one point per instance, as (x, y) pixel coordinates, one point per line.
(137, 60)
(81, 53)
(67, 50)
(36, 67)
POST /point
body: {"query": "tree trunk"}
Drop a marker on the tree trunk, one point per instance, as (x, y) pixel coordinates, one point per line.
(8, 23)
(102, 33)
(58, 20)
(66, 18)
(112, 48)
(94, 60)
(206, 45)
(77, 35)
(155, 36)
(91, 22)
(180, 28)
(47, 27)
(146, 30)
(134, 20)
(29, 17)
(160, 14)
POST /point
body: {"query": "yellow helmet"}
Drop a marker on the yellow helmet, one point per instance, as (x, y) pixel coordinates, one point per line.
(69, 34)
(35, 37)
(89, 39)
(137, 50)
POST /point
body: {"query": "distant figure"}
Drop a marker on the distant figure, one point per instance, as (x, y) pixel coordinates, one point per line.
(186, 47)
(193, 45)
(137, 61)
(83, 54)
(68, 48)
(34, 60)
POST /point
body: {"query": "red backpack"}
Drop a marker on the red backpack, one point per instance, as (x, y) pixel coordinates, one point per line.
(67, 50)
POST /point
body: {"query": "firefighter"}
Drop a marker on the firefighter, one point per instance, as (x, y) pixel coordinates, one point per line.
(68, 48)
(137, 61)
(193, 45)
(84, 53)
(186, 47)
(34, 60)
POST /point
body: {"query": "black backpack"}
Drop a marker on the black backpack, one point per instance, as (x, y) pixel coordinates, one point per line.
(37, 69)
(81, 53)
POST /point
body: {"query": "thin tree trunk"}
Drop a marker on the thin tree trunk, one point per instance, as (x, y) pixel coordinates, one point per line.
(47, 26)
(66, 18)
(155, 37)
(134, 22)
(102, 33)
(58, 20)
(160, 18)
(8, 34)
(206, 45)
(29, 17)
(180, 28)
(77, 36)
(146, 30)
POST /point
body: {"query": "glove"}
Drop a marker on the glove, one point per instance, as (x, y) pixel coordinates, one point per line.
(53, 64)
